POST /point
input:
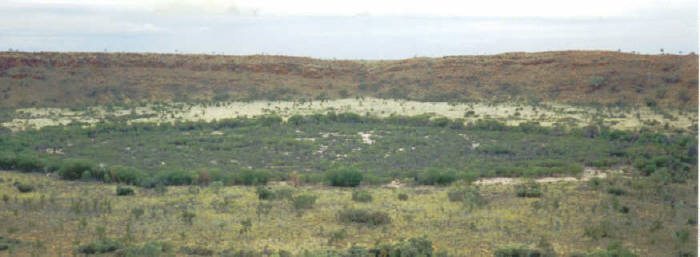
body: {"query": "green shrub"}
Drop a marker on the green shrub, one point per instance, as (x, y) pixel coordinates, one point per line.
(100, 246)
(252, 177)
(521, 251)
(176, 177)
(603, 229)
(616, 190)
(150, 249)
(344, 177)
(303, 201)
(614, 249)
(434, 176)
(528, 189)
(28, 163)
(73, 169)
(469, 196)
(361, 196)
(265, 193)
(216, 186)
(188, 216)
(418, 247)
(122, 191)
(7, 160)
(127, 175)
(196, 250)
(373, 218)
(24, 188)
(403, 197)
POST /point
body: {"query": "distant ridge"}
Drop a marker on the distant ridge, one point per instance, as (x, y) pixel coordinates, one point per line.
(577, 77)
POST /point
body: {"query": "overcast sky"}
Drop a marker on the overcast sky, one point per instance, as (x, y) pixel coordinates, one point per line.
(355, 29)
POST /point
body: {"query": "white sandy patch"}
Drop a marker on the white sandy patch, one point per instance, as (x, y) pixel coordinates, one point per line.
(588, 174)
(511, 113)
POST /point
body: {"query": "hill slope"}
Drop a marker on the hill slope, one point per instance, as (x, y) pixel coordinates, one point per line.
(73, 79)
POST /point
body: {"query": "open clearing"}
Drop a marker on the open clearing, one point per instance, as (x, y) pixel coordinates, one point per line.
(546, 114)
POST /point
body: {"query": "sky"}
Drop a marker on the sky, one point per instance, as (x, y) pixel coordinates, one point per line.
(357, 29)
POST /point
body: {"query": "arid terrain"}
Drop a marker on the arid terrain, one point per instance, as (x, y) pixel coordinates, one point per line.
(569, 154)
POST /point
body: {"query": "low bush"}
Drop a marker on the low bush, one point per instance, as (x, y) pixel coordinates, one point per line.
(303, 201)
(73, 169)
(419, 246)
(469, 196)
(7, 160)
(344, 177)
(28, 163)
(100, 246)
(403, 197)
(603, 229)
(127, 175)
(614, 249)
(373, 218)
(528, 189)
(176, 177)
(122, 191)
(361, 196)
(24, 187)
(196, 250)
(150, 248)
(435, 176)
(521, 251)
(265, 193)
(252, 177)
(616, 190)
(7, 243)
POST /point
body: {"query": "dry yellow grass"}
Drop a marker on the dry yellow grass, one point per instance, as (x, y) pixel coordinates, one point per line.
(48, 225)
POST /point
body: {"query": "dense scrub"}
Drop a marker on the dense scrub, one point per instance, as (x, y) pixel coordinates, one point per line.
(343, 149)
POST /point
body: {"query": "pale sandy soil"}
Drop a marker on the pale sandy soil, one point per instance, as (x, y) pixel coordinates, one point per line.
(512, 114)
(588, 174)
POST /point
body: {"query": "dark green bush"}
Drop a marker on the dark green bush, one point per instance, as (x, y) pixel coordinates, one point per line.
(470, 196)
(28, 163)
(150, 248)
(361, 196)
(528, 189)
(7, 160)
(403, 196)
(344, 177)
(100, 246)
(616, 190)
(418, 247)
(521, 251)
(435, 176)
(373, 218)
(73, 169)
(602, 229)
(24, 188)
(175, 177)
(122, 191)
(253, 177)
(614, 249)
(127, 175)
(196, 250)
(303, 201)
(265, 193)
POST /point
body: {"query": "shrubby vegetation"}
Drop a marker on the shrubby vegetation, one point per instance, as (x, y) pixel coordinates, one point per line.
(345, 177)
(254, 151)
(361, 196)
(364, 216)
